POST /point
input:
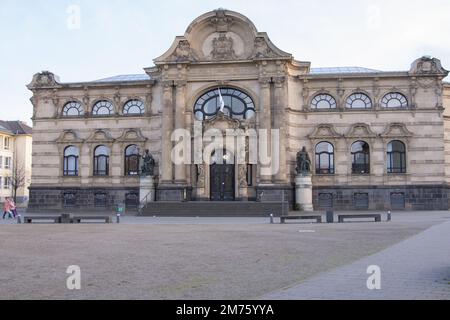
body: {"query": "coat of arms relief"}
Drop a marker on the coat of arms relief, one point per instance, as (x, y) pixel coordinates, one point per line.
(223, 48)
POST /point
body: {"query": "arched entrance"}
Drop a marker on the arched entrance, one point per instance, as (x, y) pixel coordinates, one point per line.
(222, 173)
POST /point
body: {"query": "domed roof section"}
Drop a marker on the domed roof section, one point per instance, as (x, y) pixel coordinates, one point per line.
(221, 35)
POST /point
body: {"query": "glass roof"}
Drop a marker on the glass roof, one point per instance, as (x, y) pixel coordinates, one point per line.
(333, 70)
(126, 77)
(342, 70)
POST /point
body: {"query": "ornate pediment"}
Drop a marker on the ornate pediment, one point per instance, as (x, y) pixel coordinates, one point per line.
(396, 130)
(221, 35)
(44, 79)
(69, 137)
(428, 66)
(222, 122)
(324, 131)
(100, 136)
(132, 135)
(360, 130)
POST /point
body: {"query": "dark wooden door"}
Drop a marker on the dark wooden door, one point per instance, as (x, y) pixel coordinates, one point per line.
(222, 182)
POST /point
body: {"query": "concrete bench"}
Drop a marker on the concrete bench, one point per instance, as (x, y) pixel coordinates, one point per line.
(52, 219)
(377, 217)
(104, 219)
(315, 217)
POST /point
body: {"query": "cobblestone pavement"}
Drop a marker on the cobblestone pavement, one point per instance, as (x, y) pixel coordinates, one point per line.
(417, 268)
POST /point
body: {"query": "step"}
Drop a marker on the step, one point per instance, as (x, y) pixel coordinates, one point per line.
(214, 209)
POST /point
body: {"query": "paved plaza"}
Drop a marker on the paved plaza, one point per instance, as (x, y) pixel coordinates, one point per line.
(228, 258)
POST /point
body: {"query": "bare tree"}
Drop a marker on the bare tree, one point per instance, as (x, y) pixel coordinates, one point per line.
(17, 178)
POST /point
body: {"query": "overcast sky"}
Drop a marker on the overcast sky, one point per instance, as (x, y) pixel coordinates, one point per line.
(122, 36)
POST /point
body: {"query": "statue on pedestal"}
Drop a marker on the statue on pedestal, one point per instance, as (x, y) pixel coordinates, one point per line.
(148, 168)
(303, 163)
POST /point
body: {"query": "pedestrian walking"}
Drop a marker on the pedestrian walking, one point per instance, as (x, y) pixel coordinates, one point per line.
(7, 209)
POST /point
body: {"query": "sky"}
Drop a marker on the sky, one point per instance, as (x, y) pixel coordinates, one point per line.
(85, 40)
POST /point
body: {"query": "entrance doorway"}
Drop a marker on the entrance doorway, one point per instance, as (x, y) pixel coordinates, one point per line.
(222, 182)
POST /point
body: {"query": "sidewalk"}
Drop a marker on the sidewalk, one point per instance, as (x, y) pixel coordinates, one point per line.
(417, 268)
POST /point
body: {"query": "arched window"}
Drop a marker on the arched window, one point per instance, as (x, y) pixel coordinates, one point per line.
(324, 158)
(73, 109)
(101, 161)
(134, 107)
(323, 101)
(360, 158)
(359, 101)
(394, 100)
(132, 160)
(236, 104)
(103, 108)
(71, 156)
(396, 157)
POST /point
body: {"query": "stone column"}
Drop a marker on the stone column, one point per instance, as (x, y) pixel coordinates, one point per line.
(180, 123)
(304, 192)
(265, 119)
(280, 96)
(167, 129)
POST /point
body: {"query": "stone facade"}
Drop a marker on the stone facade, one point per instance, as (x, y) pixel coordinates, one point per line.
(223, 49)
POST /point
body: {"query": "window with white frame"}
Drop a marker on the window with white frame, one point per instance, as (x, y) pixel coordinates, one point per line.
(8, 161)
(7, 183)
(1, 162)
(7, 143)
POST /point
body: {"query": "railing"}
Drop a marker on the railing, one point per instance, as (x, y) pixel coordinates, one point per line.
(143, 204)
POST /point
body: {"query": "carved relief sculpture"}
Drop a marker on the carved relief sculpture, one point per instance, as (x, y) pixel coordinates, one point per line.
(223, 48)
(262, 50)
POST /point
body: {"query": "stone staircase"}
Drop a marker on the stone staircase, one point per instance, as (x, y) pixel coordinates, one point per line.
(215, 209)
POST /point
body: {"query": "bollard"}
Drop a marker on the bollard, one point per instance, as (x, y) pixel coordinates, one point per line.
(19, 219)
(271, 219)
(118, 218)
(389, 216)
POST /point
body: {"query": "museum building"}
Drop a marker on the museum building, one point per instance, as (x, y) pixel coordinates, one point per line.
(377, 140)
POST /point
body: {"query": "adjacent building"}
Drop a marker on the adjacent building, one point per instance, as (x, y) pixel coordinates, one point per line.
(15, 160)
(377, 139)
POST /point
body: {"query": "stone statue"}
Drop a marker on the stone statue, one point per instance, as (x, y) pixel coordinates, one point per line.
(148, 168)
(303, 162)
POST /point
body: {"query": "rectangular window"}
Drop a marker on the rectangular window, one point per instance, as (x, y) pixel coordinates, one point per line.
(1, 162)
(100, 200)
(8, 162)
(397, 201)
(7, 143)
(69, 200)
(7, 183)
(361, 201)
(132, 200)
(325, 200)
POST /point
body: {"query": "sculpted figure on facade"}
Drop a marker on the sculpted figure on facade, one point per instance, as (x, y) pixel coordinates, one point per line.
(262, 50)
(148, 168)
(303, 162)
(183, 52)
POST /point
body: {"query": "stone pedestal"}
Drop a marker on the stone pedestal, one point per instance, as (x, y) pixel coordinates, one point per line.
(304, 193)
(147, 190)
